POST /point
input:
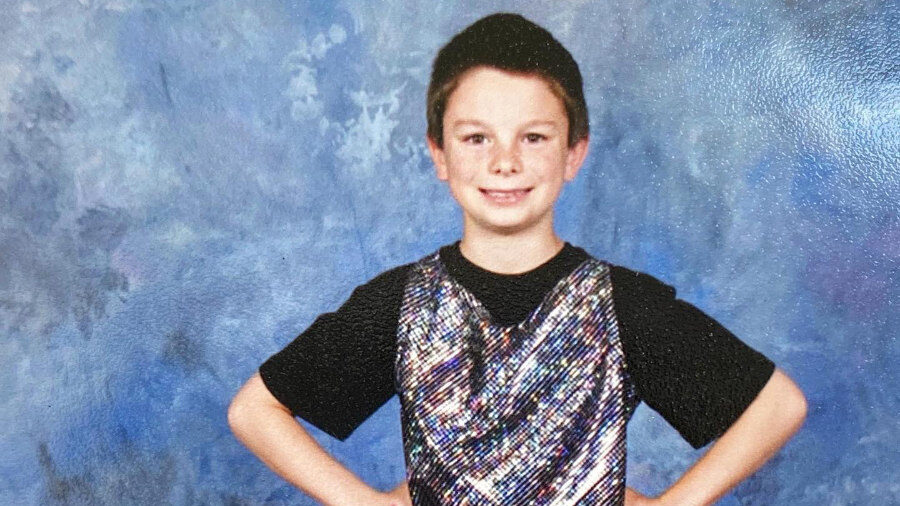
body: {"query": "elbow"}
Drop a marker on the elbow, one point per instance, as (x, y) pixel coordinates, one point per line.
(250, 405)
(802, 405)
(801, 408)
(240, 413)
(235, 414)
(788, 404)
(797, 415)
(796, 407)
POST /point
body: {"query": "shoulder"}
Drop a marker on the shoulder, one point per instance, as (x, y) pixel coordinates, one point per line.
(627, 283)
(385, 285)
(393, 281)
(633, 287)
(391, 276)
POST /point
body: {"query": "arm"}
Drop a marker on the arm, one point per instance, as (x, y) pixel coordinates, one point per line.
(707, 383)
(268, 429)
(334, 375)
(768, 423)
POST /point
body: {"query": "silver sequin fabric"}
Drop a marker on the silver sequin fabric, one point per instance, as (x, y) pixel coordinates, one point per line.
(530, 414)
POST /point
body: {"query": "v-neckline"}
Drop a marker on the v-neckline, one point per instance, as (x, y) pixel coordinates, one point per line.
(485, 316)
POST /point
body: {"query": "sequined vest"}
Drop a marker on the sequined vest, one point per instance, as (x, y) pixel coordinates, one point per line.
(529, 414)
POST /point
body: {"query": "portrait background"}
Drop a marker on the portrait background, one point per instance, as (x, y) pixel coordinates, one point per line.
(185, 186)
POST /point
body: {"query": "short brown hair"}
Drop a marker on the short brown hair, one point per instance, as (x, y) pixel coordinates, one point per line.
(512, 43)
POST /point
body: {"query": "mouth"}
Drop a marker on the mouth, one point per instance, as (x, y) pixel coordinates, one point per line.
(510, 196)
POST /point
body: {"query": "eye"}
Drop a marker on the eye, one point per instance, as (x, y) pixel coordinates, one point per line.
(474, 139)
(534, 138)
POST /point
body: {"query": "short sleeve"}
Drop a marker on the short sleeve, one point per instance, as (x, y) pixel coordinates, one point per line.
(340, 370)
(685, 365)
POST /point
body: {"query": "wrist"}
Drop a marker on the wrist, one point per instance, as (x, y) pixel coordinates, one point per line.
(672, 497)
(358, 493)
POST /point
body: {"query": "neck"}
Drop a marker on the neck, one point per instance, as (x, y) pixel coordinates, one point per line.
(510, 254)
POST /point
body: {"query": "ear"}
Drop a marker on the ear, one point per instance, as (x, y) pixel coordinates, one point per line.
(575, 158)
(438, 157)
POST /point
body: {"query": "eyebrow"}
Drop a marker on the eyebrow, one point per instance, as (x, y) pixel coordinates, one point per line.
(533, 123)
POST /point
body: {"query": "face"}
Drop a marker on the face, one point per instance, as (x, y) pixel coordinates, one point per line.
(505, 155)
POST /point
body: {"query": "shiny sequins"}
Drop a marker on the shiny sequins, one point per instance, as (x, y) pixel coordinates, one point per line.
(533, 413)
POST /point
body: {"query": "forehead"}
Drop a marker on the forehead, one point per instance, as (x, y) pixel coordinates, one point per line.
(489, 94)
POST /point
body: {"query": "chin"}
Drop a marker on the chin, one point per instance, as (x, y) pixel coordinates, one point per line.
(506, 226)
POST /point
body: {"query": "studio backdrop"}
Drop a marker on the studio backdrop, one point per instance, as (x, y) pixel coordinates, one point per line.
(185, 186)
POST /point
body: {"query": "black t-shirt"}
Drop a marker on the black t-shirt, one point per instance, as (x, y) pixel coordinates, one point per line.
(686, 366)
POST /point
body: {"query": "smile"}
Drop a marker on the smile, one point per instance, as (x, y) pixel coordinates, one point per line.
(505, 196)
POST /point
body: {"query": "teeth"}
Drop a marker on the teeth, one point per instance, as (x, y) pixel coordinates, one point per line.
(506, 196)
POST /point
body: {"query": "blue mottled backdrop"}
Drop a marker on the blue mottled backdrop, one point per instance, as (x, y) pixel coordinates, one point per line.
(186, 185)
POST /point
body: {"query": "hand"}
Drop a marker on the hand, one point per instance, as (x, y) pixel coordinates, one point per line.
(399, 496)
(635, 498)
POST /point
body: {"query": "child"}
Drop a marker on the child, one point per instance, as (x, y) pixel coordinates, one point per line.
(518, 357)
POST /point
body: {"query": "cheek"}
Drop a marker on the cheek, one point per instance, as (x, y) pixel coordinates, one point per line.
(548, 162)
(464, 165)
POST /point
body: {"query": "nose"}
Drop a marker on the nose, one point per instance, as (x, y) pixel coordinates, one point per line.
(506, 159)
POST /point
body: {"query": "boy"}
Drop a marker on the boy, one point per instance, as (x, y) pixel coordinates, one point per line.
(518, 357)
